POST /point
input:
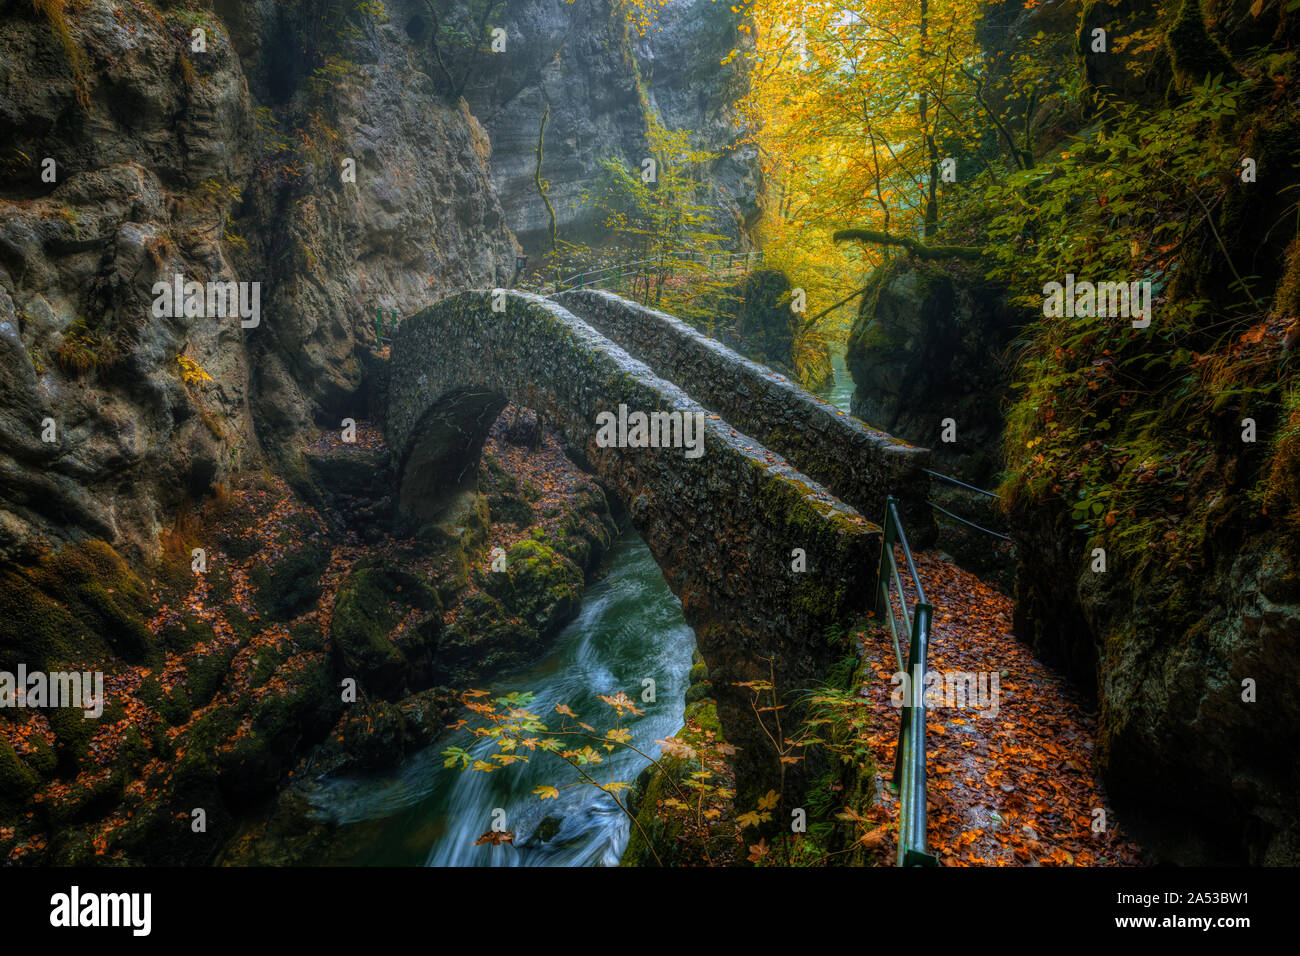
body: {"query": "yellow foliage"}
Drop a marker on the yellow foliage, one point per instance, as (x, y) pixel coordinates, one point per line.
(844, 101)
(192, 373)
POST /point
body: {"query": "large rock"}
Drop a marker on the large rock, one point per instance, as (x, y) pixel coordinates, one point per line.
(1193, 676)
(370, 646)
(929, 343)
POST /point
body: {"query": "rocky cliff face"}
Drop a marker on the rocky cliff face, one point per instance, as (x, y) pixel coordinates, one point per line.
(567, 66)
(1187, 633)
(584, 81)
(689, 87)
(225, 164)
(1190, 670)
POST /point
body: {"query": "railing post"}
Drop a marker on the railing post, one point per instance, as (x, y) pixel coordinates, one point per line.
(912, 850)
(909, 755)
(887, 542)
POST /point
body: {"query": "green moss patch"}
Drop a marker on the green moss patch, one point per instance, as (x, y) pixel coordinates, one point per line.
(292, 586)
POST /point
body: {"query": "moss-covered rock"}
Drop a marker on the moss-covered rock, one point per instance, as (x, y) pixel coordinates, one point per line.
(175, 707)
(17, 782)
(1196, 57)
(183, 633)
(291, 586)
(483, 638)
(87, 798)
(371, 604)
(72, 733)
(540, 586)
(654, 828)
(78, 605)
(205, 671)
(926, 343)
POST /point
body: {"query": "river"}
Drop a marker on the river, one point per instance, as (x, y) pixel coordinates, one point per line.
(630, 629)
(840, 391)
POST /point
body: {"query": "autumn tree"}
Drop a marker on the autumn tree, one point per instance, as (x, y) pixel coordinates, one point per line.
(655, 216)
(864, 115)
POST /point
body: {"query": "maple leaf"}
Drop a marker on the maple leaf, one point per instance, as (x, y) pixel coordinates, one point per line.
(873, 839)
(546, 793)
(758, 850)
(672, 747)
(620, 702)
(495, 837)
(565, 710)
(768, 802)
(455, 755)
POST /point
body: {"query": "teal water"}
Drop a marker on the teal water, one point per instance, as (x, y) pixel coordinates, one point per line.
(630, 629)
(840, 391)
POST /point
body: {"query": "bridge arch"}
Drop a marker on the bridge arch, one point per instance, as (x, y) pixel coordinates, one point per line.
(722, 526)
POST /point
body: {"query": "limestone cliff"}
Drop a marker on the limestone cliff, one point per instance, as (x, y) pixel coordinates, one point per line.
(220, 164)
(587, 82)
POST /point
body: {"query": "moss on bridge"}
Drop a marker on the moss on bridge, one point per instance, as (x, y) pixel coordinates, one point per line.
(861, 464)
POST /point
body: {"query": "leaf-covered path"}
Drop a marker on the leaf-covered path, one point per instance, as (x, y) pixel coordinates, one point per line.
(1011, 784)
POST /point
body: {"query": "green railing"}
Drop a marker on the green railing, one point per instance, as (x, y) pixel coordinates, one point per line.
(380, 314)
(713, 262)
(909, 759)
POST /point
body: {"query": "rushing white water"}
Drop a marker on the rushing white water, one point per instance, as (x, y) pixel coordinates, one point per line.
(630, 629)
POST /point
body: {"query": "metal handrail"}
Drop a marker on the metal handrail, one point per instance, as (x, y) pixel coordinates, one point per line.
(992, 534)
(979, 491)
(960, 484)
(581, 280)
(909, 758)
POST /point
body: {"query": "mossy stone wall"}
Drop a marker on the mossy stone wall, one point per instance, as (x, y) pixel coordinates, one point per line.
(862, 465)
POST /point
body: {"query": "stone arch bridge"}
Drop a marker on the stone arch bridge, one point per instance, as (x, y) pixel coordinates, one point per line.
(781, 470)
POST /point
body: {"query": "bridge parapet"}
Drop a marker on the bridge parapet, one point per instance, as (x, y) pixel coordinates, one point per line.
(862, 465)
